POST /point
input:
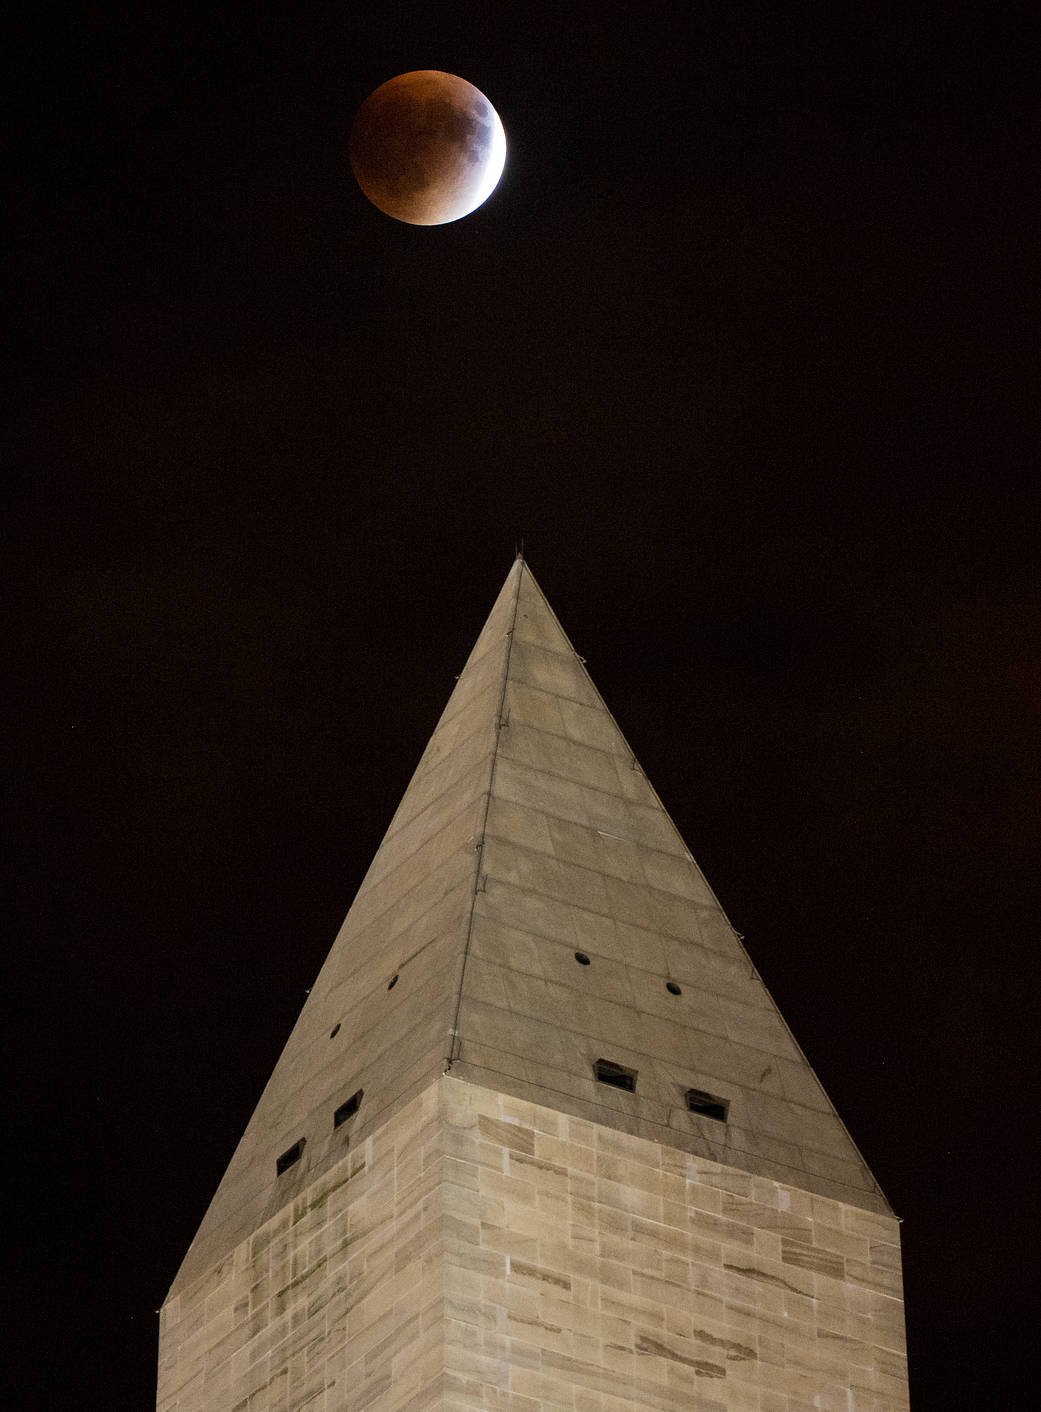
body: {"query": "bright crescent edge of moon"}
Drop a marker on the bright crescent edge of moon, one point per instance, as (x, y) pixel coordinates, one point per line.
(495, 163)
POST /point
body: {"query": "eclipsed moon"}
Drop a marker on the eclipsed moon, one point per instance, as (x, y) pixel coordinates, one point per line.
(427, 147)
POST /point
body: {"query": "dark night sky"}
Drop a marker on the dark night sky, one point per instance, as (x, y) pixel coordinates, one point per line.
(745, 347)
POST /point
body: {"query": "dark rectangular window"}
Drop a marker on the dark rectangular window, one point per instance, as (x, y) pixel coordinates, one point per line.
(348, 1109)
(707, 1104)
(289, 1157)
(616, 1075)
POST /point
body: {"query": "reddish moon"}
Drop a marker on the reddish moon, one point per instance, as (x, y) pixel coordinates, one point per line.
(427, 147)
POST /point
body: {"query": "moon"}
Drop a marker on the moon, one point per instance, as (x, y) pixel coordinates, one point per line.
(427, 147)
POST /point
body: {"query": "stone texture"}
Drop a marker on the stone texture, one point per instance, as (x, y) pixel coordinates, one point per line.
(493, 1228)
(478, 1251)
(335, 1301)
(527, 833)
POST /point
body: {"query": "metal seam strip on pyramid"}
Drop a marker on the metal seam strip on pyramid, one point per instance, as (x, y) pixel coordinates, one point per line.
(528, 833)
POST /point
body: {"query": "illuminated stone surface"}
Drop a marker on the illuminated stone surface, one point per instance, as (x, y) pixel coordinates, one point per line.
(517, 1234)
(480, 1251)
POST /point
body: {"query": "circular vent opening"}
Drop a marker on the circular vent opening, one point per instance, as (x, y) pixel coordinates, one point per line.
(673, 988)
(582, 958)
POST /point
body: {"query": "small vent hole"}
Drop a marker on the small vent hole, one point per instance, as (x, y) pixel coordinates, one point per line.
(673, 988)
(616, 1075)
(348, 1109)
(392, 982)
(707, 1104)
(334, 1031)
(582, 958)
(289, 1158)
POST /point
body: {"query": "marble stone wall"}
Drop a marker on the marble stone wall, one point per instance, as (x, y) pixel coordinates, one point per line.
(483, 1252)
(336, 1302)
(594, 1270)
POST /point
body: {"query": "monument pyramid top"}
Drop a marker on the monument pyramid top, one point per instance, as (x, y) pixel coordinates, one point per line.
(534, 923)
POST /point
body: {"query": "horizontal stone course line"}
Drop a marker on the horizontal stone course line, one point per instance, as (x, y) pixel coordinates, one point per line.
(438, 750)
(365, 1004)
(589, 911)
(675, 1132)
(495, 643)
(647, 1016)
(601, 917)
(566, 653)
(574, 1028)
(433, 1066)
(578, 823)
(433, 760)
(611, 755)
(540, 708)
(470, 667)
(288, 1344)
(773, 1010)
(371, 1120)
(410, 858)
(445, 742)
(463, 851)
(414, 820)
(278, 1129)
(540, 606)
(590, 948)
(555, 1323)
(568, 948)
(602, 873)
(370, 957)
(339, 1062)
(344, 1017)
